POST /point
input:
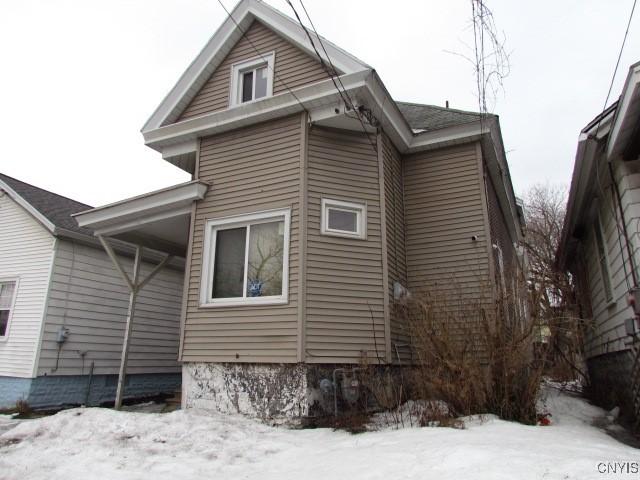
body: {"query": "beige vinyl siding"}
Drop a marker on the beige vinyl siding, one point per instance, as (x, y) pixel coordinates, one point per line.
(26, 253)
(396, 253)
(443, 211)
(90, 299)
(294, 68)
(344, 275)
(250, 170)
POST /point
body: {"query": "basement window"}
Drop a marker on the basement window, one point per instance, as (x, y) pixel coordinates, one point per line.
(7, 293)
(252, 80)
(246, 259)
(343, 219)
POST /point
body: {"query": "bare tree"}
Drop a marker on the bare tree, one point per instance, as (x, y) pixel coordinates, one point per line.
(551, 289)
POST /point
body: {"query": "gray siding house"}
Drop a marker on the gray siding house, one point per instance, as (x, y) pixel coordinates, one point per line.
(326, 201)
(63, 308)
(601, 245)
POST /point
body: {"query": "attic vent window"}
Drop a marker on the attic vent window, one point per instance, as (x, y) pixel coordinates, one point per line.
(344, 219)
(252, 79)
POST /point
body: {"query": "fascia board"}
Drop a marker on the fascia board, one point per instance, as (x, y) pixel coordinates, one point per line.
(629, 94)
(312, 96)
(172, 198)
(221, 43)
(28, 207)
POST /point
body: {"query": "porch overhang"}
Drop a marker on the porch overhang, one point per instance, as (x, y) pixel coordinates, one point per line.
(158, 220)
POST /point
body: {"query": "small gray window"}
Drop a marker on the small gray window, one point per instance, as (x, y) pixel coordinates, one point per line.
(343, 219)
(603, 261)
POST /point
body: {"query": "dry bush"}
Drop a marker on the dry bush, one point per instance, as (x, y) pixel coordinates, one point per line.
(474, 351)
(23, 409)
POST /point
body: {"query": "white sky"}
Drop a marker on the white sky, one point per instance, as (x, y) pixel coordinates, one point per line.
(79, 78)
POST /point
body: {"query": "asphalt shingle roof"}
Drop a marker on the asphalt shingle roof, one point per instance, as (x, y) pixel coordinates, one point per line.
(431, 117)
(55, 208)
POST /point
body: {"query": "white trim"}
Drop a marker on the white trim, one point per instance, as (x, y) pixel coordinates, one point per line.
(208, 258)
(190, 146)
(360, 209)
(16, 281)
(240, 68)
(221, 43)
(630, 93)
(28, 207)
(599, 233)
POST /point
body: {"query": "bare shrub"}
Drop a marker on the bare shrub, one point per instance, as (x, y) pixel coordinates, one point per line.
(23, 408)
(473, 349)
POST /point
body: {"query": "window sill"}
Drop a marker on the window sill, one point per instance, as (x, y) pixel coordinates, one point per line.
(245, 303)
(354, 236)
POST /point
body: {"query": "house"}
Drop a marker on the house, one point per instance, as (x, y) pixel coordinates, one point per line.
(63, 308)
(600, 242)
(326, 202)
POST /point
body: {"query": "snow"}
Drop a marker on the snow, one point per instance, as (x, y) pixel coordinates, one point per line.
(97, 443)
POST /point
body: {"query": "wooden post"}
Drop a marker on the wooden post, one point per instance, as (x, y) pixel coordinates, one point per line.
(133, 294)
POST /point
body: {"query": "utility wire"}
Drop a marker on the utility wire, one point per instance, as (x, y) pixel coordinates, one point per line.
(244, 35)
(331, 72)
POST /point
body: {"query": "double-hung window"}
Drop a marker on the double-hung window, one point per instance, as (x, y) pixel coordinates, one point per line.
(7, 291)
(252, 79)
(343, 219)
(246, 259)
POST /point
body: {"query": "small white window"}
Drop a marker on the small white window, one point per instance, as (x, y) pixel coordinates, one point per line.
(344, 219)
(246, 259)
(252, 79)
(7, 293)
(603, 260)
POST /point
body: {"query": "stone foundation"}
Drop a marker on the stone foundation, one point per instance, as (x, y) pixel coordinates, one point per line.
(61, 390)
(272, 392)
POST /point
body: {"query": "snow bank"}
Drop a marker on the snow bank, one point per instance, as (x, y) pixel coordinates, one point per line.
(104, 444)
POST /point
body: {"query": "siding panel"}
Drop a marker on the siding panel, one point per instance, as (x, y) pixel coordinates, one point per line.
(240, 166)
(292, 66)
(344, 276)
(26, 253)
(88, 297)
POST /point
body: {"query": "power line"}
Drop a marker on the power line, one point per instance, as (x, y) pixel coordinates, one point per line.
(331, 72)
(244, 35)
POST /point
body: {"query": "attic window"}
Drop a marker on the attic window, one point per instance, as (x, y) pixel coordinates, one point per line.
(252, 79)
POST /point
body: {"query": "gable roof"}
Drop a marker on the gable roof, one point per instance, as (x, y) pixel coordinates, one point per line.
(52, 210)
(216, 49)
(432, 117)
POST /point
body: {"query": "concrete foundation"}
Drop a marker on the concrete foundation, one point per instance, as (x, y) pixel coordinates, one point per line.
(610, 378)
(60, 390)
(273, 392)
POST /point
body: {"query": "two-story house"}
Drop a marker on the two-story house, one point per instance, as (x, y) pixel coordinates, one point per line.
(326, 201)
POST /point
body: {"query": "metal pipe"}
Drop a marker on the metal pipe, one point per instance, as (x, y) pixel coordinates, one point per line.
(86, 396)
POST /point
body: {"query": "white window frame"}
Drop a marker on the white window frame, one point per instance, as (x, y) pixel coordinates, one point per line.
(600, 232)
(361, 218)
(208, 261)
(16, 281)
(240, 68)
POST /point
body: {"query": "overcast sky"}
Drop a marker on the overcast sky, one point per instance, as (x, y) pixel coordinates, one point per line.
(80, 77)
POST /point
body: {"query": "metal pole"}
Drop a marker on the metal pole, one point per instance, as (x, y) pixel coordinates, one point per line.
(129, 326)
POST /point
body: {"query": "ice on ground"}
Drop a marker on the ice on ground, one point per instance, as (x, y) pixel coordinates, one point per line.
(97, 443)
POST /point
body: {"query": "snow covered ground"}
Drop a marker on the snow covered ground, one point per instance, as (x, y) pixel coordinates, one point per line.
(100, 443)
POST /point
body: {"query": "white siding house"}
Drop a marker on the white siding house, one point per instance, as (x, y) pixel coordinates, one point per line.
(601, 245)
(63, 308)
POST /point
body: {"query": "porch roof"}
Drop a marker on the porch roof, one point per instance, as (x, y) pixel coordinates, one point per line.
(158, 220)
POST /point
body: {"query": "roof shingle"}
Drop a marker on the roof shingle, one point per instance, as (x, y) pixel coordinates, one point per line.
(431, 117)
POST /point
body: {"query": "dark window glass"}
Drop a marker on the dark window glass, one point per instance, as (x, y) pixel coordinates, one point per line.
(344, 220)
(4, 321)
(228, 270)
(247, 87)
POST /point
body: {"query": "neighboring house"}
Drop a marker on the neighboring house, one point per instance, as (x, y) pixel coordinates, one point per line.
(600, 241)
(323, 208)
(63, 308)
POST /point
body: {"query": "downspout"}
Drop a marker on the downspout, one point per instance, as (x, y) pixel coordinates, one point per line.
(624, 225)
